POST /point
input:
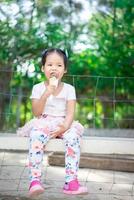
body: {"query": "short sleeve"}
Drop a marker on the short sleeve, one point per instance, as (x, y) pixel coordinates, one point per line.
(35, 93)
(71, 93)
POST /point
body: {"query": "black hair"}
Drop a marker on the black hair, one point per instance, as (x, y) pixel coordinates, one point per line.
(56, 50)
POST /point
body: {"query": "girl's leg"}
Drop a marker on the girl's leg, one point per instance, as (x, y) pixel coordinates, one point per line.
(72, 157)
(72, 153)
(36, 148)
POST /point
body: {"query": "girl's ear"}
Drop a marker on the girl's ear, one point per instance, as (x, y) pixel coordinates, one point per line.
(42, 68)
(65, 71)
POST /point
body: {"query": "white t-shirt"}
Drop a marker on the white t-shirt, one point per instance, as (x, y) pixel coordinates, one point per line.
(55, 105)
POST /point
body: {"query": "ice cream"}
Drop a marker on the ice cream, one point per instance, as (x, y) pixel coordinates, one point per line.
(53, 81)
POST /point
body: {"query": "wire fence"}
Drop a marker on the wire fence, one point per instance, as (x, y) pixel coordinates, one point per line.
(102, 102)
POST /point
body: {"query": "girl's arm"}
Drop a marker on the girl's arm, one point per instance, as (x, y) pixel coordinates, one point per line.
(39, 104)
(65, 125)
(70, 113)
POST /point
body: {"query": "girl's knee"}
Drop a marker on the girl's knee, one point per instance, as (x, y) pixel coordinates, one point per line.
(75, 131)
(39, 135)
(36, 133)
(72, 138)
(79, 128)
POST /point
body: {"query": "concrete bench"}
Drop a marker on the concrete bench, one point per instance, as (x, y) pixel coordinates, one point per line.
(96, 152)
(98, 145)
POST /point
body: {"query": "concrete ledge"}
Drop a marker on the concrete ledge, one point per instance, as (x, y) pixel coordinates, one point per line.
(97, 145)
(121, 133)
(96, 152)
(97, 161)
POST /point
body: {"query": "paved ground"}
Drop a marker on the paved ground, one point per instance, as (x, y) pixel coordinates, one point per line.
(102, 184)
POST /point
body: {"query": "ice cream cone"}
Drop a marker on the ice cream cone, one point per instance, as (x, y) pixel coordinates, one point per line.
(53, 81)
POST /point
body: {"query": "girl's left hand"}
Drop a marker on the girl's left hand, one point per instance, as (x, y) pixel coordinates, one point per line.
(60, 130)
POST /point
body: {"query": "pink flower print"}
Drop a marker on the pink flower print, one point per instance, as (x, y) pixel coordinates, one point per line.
(37, 145)
(70, 152)
(36, 173)
(69, 172)
(46, 130)
(29, 164)
(38, 160)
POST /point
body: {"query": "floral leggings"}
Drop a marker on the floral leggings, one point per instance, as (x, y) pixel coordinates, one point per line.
(39, 138)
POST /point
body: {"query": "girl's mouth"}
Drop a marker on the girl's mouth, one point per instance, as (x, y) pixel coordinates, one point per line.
(53, 74)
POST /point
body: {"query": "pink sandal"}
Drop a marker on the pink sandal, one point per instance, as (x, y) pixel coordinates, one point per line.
(35, 189)
(73, 187)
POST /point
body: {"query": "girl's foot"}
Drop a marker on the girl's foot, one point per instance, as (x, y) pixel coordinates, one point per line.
(73, 187)
(35, 189)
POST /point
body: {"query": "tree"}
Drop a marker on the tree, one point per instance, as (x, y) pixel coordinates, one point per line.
(24, 34)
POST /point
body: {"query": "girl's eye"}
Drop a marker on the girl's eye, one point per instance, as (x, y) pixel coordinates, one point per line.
(59, 65)
(49, 64)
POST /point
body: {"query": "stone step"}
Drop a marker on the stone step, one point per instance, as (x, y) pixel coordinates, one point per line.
(96, 145)
(97, 161)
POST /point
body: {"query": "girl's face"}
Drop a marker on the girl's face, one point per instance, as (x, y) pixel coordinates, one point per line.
(54, 66)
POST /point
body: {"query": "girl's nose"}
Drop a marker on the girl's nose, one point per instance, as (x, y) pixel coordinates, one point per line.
(53, 67)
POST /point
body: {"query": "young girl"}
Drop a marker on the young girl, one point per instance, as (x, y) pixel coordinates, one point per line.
(53, 105)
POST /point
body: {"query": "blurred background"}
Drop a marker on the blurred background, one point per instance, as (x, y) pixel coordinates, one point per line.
(98, 37)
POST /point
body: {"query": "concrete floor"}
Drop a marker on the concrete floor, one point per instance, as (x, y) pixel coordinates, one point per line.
(102, 184)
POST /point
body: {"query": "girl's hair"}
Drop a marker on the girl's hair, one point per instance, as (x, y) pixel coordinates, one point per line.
(54, 50)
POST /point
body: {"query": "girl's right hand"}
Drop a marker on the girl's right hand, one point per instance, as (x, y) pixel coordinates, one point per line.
(50, 89)
(59, 131)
